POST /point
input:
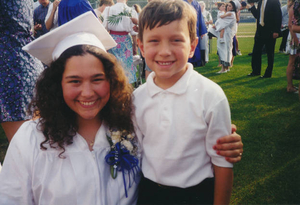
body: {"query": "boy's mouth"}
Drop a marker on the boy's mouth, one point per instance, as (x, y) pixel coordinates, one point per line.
(164, 63)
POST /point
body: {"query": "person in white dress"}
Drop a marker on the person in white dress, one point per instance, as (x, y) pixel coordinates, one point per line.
(69, 155)
(208, 22)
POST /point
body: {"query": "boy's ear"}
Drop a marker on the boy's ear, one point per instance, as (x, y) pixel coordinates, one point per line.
(141, 46)
(193, 47)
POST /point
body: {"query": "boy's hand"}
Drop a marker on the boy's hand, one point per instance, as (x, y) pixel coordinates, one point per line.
(231, 146)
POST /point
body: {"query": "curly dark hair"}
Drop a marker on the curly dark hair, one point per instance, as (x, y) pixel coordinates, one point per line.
(57, 121)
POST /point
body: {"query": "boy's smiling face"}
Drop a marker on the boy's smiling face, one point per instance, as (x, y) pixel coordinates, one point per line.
(166, 50)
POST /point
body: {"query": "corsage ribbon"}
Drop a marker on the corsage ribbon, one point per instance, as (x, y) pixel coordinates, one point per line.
(120, 159)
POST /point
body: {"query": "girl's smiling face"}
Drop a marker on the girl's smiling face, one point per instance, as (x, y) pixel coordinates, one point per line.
(86, 89)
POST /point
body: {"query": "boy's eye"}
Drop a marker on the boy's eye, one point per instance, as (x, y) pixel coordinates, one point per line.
(153, 40)
(177, 40)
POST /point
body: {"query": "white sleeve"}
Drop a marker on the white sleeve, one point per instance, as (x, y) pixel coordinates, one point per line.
(55, 18)
(105, 15)
(219, 125)
(15, 176)
(210, 17)
(134, 15)
(49, 12)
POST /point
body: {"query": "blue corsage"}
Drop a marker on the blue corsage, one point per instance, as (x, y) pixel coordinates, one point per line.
(123, 156)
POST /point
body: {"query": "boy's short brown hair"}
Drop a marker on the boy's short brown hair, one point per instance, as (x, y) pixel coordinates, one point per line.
(162, 12)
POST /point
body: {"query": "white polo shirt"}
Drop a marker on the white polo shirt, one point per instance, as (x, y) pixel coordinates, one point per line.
(178, 127)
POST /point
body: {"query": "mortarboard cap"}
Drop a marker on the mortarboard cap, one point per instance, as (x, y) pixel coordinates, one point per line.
(237, 4)
(85, 29)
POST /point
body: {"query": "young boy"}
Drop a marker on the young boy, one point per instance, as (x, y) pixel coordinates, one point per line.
(179, 114)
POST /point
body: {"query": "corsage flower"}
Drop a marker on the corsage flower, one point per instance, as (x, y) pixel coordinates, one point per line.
(122, 156)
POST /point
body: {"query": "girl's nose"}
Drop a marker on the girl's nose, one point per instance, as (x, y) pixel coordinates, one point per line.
(87, 90)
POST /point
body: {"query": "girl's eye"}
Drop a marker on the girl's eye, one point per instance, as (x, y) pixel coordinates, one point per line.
(98, 79)
(74, 81)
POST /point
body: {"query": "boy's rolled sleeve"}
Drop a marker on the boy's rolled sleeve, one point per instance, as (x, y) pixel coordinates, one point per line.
(219, 125)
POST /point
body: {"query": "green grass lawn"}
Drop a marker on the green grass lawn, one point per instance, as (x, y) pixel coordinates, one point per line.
(268, 119)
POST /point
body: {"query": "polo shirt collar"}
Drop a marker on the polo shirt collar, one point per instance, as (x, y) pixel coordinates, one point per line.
(178, 88)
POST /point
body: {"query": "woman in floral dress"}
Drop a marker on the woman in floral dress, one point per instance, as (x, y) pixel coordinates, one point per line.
(18, 69)
(121, 34)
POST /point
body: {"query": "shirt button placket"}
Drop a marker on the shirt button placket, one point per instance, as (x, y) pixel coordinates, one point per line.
(164, 116)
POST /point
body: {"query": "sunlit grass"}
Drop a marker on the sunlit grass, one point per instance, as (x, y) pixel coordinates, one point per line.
(268, 119)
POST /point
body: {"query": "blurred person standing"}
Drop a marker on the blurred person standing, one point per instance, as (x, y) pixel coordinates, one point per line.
(51, 20)
(39, 16)
(18, 69)
(62, 11)
(197, 60)
(102, 5)
(284, 28)
(243, 5)
(208, 21)
(268, 15)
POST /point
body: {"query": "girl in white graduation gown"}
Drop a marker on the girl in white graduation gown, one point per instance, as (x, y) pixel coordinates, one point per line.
(69, 155)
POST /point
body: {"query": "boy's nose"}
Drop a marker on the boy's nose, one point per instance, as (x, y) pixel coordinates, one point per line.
(165, 49)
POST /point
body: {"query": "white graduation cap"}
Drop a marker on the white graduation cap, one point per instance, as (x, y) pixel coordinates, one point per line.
(237, 4)
(85, 29)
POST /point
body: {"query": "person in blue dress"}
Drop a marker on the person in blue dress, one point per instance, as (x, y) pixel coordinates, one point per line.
(69, 9)
(18, 69)
(62, 11)
(196, 60)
